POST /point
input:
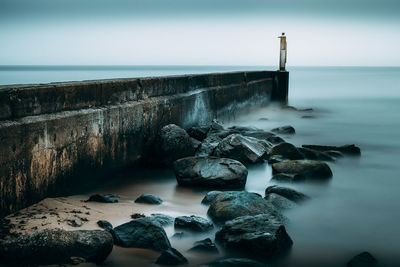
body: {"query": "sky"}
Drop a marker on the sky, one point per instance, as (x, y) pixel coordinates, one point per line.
(199, 32)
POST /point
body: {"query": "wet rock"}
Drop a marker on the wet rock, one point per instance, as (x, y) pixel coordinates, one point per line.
(205, 245)
(262, 135)
(284, 130)
(287, 177)
(232, 204)
(198, 133)
(310, 169)
(275, 158)
(297, 109)
(137, 215)
(104, 224)
(210, 172)
(280, 202)
(286, 150)
(195, 143)
(346, 149)
(364, 259)
(216, 126)
(56, 246)
(314, 154)
(102, 198)
(142, 233)
(235, 262)
(174, 143)
(208, 145)
(193, 223)
(286, 192)
(162, 219)
(209, 197)
(258, 236)
(241, 148)
(334, 154)
(149, 199)
(178, 235)
(171, 256)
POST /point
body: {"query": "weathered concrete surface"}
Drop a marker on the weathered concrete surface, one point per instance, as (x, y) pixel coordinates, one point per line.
(53, 133)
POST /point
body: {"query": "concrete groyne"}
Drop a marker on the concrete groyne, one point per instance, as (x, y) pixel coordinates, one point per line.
(54, 134)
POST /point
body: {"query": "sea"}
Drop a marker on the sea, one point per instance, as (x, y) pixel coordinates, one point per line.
(357, 210)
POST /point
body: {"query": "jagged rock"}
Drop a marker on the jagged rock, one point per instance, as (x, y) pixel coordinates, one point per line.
(209, 197)
(205, 245)
(195, 143)
(346, 149)
(149, 199)
(106, 225)
(171, 256)
(198, 133)
(286, 150)
(232, 204)
(56, 246)
(314, 154)
(259, 236)
(109, 198)
(216, 126)
(174, 143)
(193, 223)
(208, 145)
(310, 169)
(284, 130)
(235, 262)
(364, 259)
(241, 148)
(142, 233)
(210, 172)
(288, 193)
(258, 133)
(287, 177)
(280, 202)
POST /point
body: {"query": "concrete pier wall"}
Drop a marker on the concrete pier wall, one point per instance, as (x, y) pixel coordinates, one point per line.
(54, 134)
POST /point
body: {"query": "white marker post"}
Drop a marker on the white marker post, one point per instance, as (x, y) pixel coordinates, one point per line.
(282, 59)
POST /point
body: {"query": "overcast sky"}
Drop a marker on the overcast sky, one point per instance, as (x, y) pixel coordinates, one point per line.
(199, 32)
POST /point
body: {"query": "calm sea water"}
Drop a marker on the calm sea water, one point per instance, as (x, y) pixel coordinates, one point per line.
(358, 210)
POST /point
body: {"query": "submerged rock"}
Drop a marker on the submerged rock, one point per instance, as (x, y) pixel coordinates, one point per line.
(284, 130)
(280, 202)
(171, 256)
(235, 262)
(109, 198)
(310, 169)
(209, 197)
(142, 233)
(275, 158)
(193, 223)
(205, 245)
(149, 199)
(314, 154)
(210, 172)
(241, 148)
(364, 259)
(288, 193)
(232, 204)
(174, 143)
(161, 219)
(286, 150)
(287, 177)
(347, 149)
(259, 236)
(56, 246)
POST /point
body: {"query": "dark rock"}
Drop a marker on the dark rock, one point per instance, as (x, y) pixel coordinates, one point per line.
(364, 259)
(258, 236)
(149, 199)
(288, 193)
(102, 198)
(333, 153)
(286, 150)
(142, 233)
(232, 204)
(205, 245)
(286, 177)
(171, 257)
(280, 202)
(210, 172)
(314, 154)
(235, 262)
(216, 126)
(174, 143)
(195, 143)
(346, 149)
(161, 219)
(104, 224)
(193, 223)
(137, 215)
(209, 197)
(284, 130)
(56, 246)
(178, 235)
(297, 109)
(208, 145)
(241, 148)
(263, 135)
(198, 133)
(276, 158)
(263, 119)
(310, 169)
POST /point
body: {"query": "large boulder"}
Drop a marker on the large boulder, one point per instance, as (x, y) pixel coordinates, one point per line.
(280, 202)
(286, 150)
(232, 204)
(347, 149)
(286, 192)
(56, 246)
(209, 197)
(364, 259)
(142, 233)
(193, 223)
(241, 148)
(174, 143)
(257, 236)
(286, 177)
(210, 172)
(171, 256)
(310, 169)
